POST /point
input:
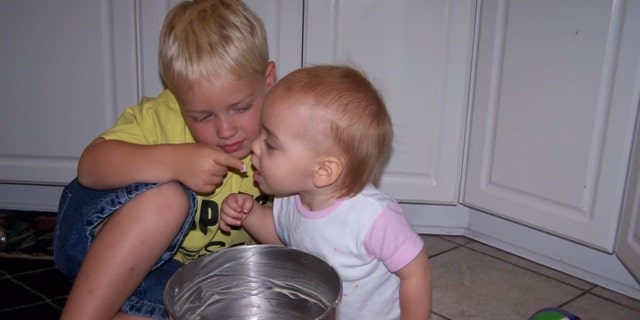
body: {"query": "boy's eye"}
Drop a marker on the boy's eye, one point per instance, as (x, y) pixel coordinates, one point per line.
(242, 108)
(200, 118)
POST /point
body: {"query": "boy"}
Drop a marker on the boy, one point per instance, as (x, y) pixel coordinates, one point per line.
(326, 136)
(152, 184)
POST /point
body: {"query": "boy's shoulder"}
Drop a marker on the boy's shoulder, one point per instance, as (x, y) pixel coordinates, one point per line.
(165, 97)
(139, 123)
(161, 106)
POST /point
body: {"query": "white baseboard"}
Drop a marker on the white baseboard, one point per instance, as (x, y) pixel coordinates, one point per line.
(29, 197)
(437, 219)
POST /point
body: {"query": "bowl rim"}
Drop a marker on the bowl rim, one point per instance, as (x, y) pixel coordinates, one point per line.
(331, 308)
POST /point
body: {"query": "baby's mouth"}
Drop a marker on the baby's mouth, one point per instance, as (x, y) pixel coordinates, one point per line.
(257, 175)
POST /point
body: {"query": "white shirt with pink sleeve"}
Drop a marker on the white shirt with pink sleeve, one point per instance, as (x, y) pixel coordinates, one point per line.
(366, 238)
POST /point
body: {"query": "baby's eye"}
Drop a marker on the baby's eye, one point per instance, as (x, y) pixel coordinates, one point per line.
(268, 145)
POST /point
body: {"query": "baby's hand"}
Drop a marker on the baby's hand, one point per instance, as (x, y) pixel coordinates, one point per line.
(235, 208)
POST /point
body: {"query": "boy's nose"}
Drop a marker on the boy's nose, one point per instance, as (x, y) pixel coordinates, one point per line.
(225, 129)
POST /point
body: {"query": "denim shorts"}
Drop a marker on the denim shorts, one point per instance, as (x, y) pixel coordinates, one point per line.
(82, 210)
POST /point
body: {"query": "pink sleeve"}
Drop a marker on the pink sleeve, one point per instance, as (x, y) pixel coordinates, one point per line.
(392, 240)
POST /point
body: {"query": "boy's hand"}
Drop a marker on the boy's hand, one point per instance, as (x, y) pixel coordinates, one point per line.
(203, 168)
(235, 208)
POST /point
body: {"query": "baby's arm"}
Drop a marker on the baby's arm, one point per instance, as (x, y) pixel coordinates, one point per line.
(415, 288)
(393, 241)
(110, 164)
(242, 210)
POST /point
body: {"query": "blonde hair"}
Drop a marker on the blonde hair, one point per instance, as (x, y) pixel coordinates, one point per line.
(205, 38)
(358, 123)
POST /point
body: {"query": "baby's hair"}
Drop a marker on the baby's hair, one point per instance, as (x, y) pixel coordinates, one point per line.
(211, 38)
(358, 123)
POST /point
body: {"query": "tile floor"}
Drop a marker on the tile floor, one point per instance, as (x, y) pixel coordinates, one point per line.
(475, 281)
(470, 281)
(31, 289)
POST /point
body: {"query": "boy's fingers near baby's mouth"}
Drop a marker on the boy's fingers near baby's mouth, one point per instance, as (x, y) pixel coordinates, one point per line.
(231, 162)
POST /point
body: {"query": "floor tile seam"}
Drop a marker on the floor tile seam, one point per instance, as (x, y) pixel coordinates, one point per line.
(582, 294)
(33, 271)
(590, 291)
(44, 298)
(534, 271)
(440, 315)
(443, 252)
(30, 305)
(55, 305)
(446, 238)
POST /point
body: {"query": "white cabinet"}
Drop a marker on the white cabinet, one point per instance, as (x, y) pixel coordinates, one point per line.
(628, 244)
(417, 53)
(58, 86)
(69, 68)
(555, 96)
(80, 71)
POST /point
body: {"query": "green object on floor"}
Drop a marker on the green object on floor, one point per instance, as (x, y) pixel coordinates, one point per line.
(553, 314)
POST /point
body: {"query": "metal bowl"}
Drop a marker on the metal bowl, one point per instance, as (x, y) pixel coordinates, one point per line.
(257, 282)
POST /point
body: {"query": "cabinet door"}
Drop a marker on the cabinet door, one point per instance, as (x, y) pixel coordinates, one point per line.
(628, 243)
(555, 94)
(59, 85)
(417, 53)
(67, 77)
(283, 22)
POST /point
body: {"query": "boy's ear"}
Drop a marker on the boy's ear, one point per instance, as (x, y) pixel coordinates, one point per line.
(327, 172)
(270, 75)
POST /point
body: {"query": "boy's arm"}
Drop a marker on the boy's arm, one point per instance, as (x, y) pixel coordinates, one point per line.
(415, 288)
(110, 164)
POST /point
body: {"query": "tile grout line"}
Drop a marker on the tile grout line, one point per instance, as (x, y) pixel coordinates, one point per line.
(457, 245)
(35, 304)
(45, 299)
(590, 291)
(582, 294)
(583, 291)
(29, 272)
(534, 271)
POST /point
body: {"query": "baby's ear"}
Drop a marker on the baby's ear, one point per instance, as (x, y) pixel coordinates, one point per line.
(327, 172)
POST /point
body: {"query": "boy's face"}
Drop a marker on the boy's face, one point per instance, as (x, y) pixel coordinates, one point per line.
(225, 113)
(285, 155)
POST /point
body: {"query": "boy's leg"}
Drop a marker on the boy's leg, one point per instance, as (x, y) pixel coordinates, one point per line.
(125, 249)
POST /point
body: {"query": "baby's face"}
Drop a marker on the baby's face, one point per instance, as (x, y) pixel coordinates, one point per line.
(284, 156)
(224, 113)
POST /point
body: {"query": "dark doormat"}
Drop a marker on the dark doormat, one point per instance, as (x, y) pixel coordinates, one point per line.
(28, 234)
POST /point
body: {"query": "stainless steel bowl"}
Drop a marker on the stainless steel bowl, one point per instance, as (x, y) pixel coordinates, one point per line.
(258, 282)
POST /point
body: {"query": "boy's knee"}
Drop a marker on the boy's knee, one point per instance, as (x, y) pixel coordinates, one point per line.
(171, 198)
(167, 202)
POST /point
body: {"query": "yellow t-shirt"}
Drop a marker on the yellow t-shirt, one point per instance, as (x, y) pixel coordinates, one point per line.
(158, 121)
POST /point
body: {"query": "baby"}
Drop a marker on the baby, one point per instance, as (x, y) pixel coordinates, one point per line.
(326, 135)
